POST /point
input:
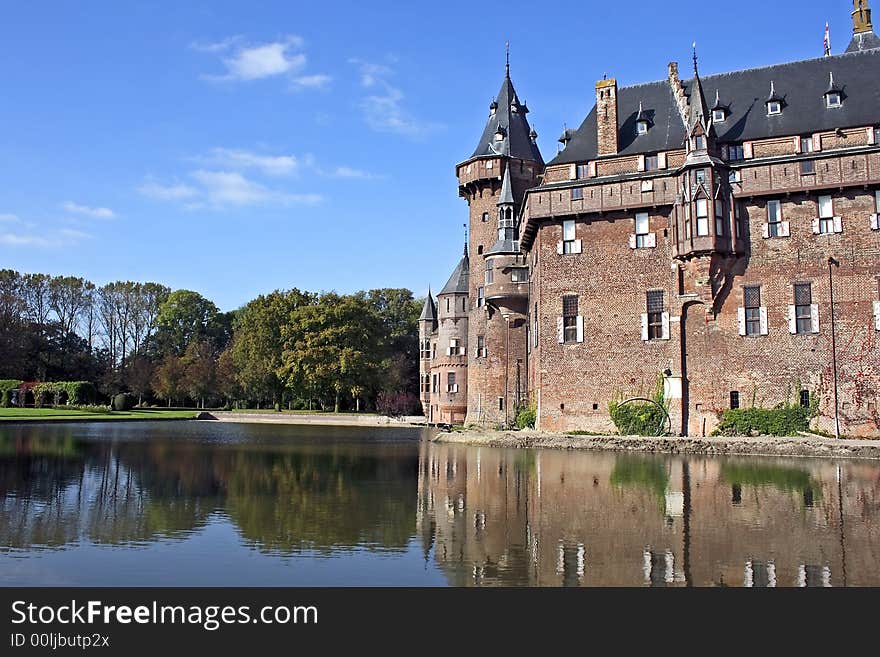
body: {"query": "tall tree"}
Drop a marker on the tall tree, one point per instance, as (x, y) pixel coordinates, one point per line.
(332, 346)
(168, 379)
(185, 317)
(199, 370)
(258, 344)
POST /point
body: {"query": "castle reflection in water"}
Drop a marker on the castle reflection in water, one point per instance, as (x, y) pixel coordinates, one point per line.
(552, 518)
(400, 509)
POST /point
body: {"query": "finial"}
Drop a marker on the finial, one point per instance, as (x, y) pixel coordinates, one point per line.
(695, 58)
(465, 239)
(717, 97)
(507, 66)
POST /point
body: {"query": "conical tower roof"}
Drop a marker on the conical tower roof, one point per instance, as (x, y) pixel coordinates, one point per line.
(508, 118)
(506, 196)
(429, 310)
(458, 283)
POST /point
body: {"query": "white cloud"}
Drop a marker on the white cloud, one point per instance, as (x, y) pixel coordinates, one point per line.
(316, 81)
(47, 239)
(272, 165)
(9, 218)
(349, 172)
(225, 188)
(172, 192)
(95, 213)
(218, 46)
(259, 61)
(383, 109)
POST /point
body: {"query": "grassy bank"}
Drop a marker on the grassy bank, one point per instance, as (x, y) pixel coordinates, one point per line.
(69, 415)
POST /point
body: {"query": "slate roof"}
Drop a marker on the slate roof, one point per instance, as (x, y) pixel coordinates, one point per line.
(517, 141)
(863, 41)
(801, 84)
(429, 310)
(506, 196)
(458, 282)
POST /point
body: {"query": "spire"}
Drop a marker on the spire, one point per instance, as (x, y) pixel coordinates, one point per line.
(506, 197)
(507, 65)
(507, 129)
(429, 310)
(699, 110)
(458, 282)
(864, 37)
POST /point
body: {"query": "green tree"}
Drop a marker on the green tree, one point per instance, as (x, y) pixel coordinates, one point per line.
(332, 346)
(398, 313)
(258, 342)
(185, 317)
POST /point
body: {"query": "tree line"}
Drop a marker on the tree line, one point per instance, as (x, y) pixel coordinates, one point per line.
(288, 348)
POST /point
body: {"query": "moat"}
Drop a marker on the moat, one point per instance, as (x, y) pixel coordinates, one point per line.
(197, 503)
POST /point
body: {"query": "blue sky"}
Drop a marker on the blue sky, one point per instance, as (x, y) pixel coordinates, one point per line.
(238, 147)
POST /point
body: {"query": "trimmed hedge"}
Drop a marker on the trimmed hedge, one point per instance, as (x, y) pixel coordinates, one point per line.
(64, 393)
(6, 388)
(783, 421)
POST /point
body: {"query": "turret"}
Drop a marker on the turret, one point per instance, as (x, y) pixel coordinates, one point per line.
(864, 37)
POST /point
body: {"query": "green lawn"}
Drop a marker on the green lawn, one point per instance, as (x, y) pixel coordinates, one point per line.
(63, 414)
(317, 411)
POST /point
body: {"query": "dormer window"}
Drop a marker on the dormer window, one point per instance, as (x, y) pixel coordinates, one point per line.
(719, 116)
(642, 127)
(500, 134)
(643, 121)
(774, 107)
(493, 107)
(699, 143)
(833, 99)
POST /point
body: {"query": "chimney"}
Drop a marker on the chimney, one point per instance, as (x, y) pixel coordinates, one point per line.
(606, 116)
(677, 88)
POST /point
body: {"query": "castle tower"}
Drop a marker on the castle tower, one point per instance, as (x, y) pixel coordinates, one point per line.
(704, 230)
(427, 333)
(493, 180)
(449, 349)
(864, 37)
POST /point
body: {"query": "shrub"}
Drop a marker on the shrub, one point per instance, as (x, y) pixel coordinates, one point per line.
(397, 404)
(786, 420)
(123, 402)
(641, 418)
(526, 417)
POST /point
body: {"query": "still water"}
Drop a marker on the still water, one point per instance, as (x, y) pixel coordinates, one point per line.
(195, 503)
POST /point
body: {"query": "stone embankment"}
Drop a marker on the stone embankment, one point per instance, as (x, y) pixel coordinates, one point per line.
(342, 419)
(811, 446)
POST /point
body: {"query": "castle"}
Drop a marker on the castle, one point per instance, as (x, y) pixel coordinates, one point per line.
(717, 235)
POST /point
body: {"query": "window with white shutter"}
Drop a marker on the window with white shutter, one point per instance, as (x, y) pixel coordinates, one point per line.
(775, 227)
(804, 314)
(754, 315)
(644, 238)
(827, 220)
(572, 322)
(875, 218)
(656, 319)
(569, 245)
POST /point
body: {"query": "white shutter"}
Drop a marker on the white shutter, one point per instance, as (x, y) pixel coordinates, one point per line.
(462, 351)
(741, 320)
(784, 229)
(817, 142)
(559, 248)
(838, 224)
(641, 162)
(875, 222)
(592, 169)
(748, 153)
(578, 246)
(560, 330)
(797, 144)
(448, 351)
(632, 241)
(765, 325)
(661, 159)
(665, 326)
(792, 320)
(651, 240)
(580, 328)
(814, 317)
(645, 327)
(765, 230)
(877, 315)
(572, 171)
(816, 229)
(871, 140)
